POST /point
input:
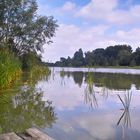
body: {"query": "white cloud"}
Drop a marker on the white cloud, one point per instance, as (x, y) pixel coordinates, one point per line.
(70, 38)
(97, 9)
(132, 36)
(68, 6)
(108, 11)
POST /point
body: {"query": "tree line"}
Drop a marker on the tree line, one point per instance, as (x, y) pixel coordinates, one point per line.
(118, 55)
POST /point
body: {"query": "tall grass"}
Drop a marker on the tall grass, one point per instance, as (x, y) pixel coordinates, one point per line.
(38, 72)
(10, 68)
(90, 96)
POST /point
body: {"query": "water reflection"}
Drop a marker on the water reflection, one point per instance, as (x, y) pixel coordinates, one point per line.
(125, 117)
(99, 90)
(62, 75)
(90, 96)
(108, 80)
(24, 109)
(109, 118)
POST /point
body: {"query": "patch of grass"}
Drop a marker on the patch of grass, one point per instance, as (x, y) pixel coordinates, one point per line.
(10, 68)
(38, 72)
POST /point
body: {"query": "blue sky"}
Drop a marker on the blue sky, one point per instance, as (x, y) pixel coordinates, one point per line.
(91, 24)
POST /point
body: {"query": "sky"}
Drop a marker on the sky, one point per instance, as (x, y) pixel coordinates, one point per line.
(90, 24)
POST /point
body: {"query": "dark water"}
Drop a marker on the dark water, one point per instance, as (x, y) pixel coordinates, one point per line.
(76, 104)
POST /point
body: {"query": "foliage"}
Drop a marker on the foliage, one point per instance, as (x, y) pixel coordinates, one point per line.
(108, 80)
(78, 58)
(118, 55)
(10, 68)
(22, 36)
(38, 72)
(22, 29)
(25, 109)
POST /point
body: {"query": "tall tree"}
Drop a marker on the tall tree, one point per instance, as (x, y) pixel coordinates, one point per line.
(89, 58)
(22, 29)
(78, 58)
(136, 57)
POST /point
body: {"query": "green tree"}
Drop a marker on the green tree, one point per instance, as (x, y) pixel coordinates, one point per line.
(136, 57)
(64, 61)
(89, 60)
(124, 57)
(113, 53)
(98, 57)
(22, 29)
(78, 58)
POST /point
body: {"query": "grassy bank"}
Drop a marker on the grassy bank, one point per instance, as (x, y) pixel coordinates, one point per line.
(38, 72)
(10, 68)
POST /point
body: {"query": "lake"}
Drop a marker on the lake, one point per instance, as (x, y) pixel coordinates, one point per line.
(75, 104)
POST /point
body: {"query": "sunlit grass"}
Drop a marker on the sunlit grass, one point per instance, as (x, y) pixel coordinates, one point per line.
(10, 68)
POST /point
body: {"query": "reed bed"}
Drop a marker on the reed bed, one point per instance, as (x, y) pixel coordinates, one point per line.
(10, 68)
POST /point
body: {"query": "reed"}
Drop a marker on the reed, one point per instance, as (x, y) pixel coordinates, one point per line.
(90, 96)
(126, 101)
(125, 117)
(10, 68)
(38, 72)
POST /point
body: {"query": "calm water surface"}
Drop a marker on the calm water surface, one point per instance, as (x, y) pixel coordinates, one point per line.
(76, 104)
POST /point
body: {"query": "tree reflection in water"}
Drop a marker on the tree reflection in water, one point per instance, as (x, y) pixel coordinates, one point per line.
(24, 110)
(90, 96)
(100, 83)
(87, 78)
(62, 75)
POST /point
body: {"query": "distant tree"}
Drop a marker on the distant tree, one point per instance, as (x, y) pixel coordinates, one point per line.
(112, 53)
(78, 58)
(124, 57)
(99, 58)
(64, 61)
(136, 57)
(111, 56)
(69, 61)
(58, 64)
(89, 60)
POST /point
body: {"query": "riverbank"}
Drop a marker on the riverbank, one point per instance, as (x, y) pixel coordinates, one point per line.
(12, 67)
(117, 67)
(113, 67)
